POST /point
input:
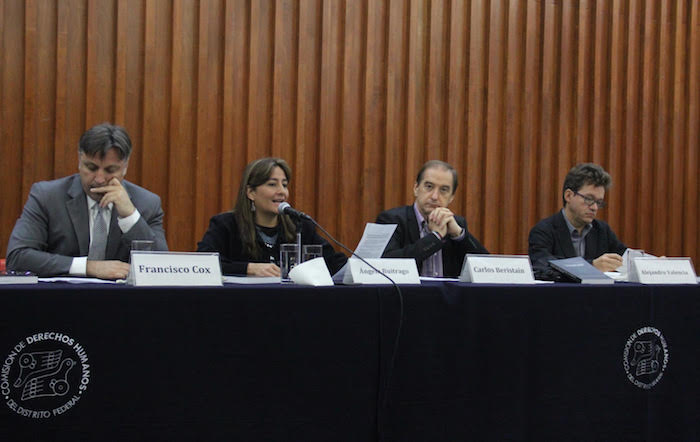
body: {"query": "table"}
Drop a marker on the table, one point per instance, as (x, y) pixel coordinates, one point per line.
(290, 363)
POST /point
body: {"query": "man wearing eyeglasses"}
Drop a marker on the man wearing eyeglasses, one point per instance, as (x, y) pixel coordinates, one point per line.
(427, 230)
(574, 231)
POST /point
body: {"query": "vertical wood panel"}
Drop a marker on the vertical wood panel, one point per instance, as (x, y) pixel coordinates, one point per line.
(547, 193)
(601, 83)
(585, 82)
(129, 77)
(494, 124)
(416, 98)
(437, 81)
(284, 82)
(375, 110)
(396, 176)
(101, 49)
(234, 154)
(71, 54)
(566, 140)
(515, 227)
(156, 99)
(331, 116)
(39, 92)
(648, 109)
(356, 95)
(662, 153)
(677, 113)
(691, 201)
(616, 149)
(262, 14)
(12, 102)
(307, 109)
(209, 108)
(478, 67)
(633, 82)
(352, 117)
(457, 93)
(532, 114)
(183, 132)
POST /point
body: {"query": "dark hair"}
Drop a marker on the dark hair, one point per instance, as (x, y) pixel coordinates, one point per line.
(98, 140)
(256, 174)
(584, 174)
(433, 164)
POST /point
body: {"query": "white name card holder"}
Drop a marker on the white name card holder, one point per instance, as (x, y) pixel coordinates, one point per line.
(663, 271)
(497, 269)
(401, 270)
(174, 269)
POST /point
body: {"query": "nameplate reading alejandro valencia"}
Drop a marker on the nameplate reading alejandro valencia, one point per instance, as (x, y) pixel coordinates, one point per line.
(401, 270)
(174, 269)
(663, 271)
(497, 269)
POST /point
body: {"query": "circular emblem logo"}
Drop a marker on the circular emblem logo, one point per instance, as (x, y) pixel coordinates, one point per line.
(44, 375)
(645, 357)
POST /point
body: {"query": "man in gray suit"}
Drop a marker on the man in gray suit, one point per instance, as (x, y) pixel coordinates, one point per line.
(83, 224)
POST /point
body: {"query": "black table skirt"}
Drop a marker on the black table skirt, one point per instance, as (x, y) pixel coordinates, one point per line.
(288, 363)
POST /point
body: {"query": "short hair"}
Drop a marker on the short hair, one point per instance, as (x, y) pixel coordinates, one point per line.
(100, 139)
(437, 164)
(584, 174)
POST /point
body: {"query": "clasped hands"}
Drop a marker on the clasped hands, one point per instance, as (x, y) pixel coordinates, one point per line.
(442, 221)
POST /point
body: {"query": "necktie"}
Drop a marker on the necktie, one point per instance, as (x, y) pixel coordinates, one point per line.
(99, 236)
(429, 264)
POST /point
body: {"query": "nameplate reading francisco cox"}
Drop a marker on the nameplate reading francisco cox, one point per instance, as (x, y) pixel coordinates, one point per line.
(401, 270)
(174, 269)
(663, 271)
(497, 269)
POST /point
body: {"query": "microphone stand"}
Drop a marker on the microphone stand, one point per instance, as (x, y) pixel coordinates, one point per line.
(298, 225)
(383, 396)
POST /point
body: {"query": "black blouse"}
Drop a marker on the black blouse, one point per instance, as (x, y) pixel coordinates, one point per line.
(223, 237)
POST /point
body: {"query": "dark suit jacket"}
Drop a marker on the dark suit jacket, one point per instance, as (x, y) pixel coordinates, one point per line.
(407, 243)
(550, 239)
(223, 237)
(54, 227)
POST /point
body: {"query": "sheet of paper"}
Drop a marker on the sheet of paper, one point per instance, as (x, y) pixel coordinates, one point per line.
(78, 280)
(617, 276)
(438, 279)
(251, 279)
(374, 240)
(371, 245)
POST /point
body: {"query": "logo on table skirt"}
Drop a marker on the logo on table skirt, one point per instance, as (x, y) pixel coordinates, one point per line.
(645, 357)
(44, 375)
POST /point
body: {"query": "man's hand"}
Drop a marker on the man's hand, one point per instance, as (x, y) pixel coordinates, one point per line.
(107, 269)
(262, 269)
(442, 220)
(115, 193)
(607, 262)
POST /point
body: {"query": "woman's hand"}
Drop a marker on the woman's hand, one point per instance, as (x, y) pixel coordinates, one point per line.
(262, 269)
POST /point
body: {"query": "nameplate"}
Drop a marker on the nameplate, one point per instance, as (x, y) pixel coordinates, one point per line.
(497, 269)
(401, 270)
(663, 271)
(174, 269)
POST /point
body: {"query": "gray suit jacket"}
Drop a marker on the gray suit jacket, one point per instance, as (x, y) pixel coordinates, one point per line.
(54, 227)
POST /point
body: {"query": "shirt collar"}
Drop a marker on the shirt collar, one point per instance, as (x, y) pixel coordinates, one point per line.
(573, 229)
(419, 216)
(91, 204)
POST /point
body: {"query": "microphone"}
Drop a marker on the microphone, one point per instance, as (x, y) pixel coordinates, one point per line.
(286, 209)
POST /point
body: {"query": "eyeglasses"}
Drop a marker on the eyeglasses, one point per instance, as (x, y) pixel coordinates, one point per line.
(590, 201)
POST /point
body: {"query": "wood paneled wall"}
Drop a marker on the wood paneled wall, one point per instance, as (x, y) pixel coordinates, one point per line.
(356, 95)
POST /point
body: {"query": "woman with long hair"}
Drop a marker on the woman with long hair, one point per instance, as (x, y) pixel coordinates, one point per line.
(248, 238)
